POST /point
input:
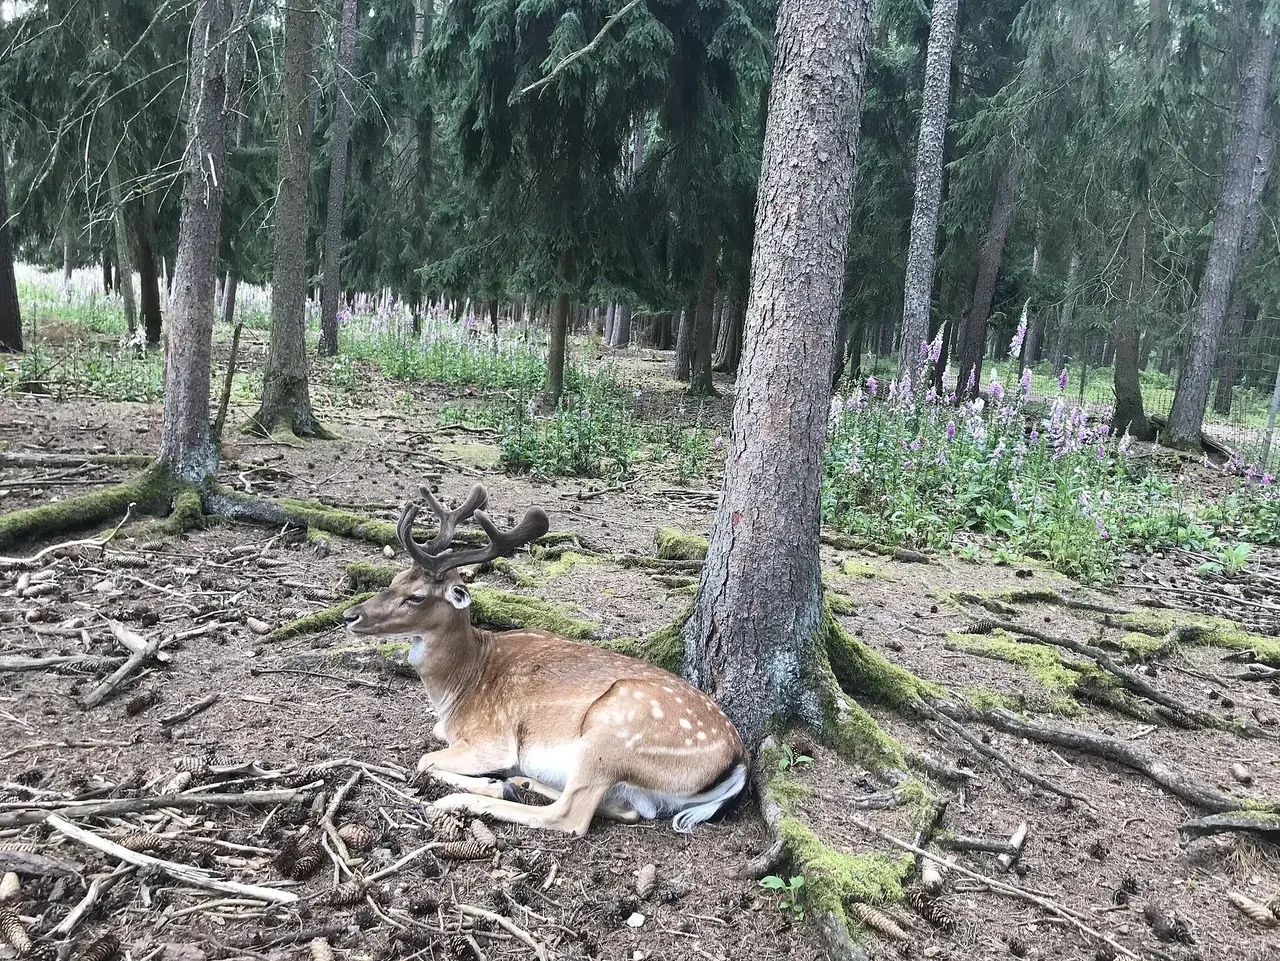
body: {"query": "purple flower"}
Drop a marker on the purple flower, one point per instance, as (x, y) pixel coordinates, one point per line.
(1035, 435)
(469, 321)
(932, 396)
(1268, 480)
(1102, 453)
(942, 459)
(1015, 345)
(1062, 380)
(972, 382)
(872, 386)
(1102, 531)
(935, 349)
(1025, 383)
(718, 443)
(997, 392)
(915, 444)
(924, 349)
(951, 430)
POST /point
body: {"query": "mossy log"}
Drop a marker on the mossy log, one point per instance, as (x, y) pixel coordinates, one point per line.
(33, 460)
(1198, 630)
(674, 545)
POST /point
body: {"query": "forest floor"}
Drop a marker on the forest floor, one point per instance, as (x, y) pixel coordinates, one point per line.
(1118, 861)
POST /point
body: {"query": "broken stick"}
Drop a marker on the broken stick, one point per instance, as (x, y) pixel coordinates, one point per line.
(179, 872)
(122, 673)
(187, 713)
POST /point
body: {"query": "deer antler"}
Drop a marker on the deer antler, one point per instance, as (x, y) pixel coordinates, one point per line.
(431, 557)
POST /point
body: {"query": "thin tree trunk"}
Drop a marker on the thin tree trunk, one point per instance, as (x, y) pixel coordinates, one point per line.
(10, 314)
(229, 299)
(700, 383)
(750, 639)
(730, 351)
(491, 308)
(684, 340)
(216, 70)
(621, 327)
(106, 271)
(68, 257)
(971, 340)
(555, 353)
(918, 289)
(1031, 344)
(1068, 317)
(1192, 393)
(123, 260)
(1129, 415)
(286, 400)
(1231, 343)
(333, 221)
(148, 271)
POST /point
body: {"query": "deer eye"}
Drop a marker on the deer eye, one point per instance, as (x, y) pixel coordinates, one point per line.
(417, 598)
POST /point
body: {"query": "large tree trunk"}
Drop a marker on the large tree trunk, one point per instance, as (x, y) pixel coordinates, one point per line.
(148, 271)
(729, 346)
(286, 400)
(1192, 394)
(331, 273)
(918, 289)
(216, 69)
(1229, 363)
(1129, 415)
(684, 340)
(750, 639)
(10, 314)
(700, 384)
(971, 339)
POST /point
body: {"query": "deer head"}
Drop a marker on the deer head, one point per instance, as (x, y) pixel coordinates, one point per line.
(431, 598)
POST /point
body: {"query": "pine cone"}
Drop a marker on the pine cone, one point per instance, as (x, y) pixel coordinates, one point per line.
(1018, 948)
(1257, 913)
(146, 842)
(140, 702)
(13, 931)
(103, 949)
(937, 911)
(358, 837)
(460, 948)
(423, 903)
(18, 847)
(306, 861)
(320, 950)
(481, 832)
(446, 827)
(878, 921)
(646, 879)
(352, 892)
(471, 850)
(191, 763)
(366, 917)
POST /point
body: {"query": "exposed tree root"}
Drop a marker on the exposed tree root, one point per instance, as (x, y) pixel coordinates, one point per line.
(19, 459)
(1130, 679)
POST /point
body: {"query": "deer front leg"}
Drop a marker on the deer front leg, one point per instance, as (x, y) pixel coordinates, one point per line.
(612, 810)
(464, 765)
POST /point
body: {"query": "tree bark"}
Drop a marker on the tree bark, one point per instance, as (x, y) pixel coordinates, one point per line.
(1068, 317)
(10, 313)
(331, 278)
(148, 271)
(971, 339)
(229, 299)
(750, 638)
(124, 260)
(684, 340)
(621, 335)
(1229, 354)
(700, 384)
(1129, 416)
(729, 346)
(1192, 393)
(918, 289)
(216, 69)
(555, 353)
(286, 400)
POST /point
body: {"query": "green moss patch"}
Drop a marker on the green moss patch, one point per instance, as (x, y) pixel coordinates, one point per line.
(499, 610)
(674, 545)
(361, 576)
(833, 877)
(1045, 664)
(863, 671)
(316, 623)
(854, 567)
(1202, 630)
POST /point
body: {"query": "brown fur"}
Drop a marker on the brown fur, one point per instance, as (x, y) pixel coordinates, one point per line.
(534, 698)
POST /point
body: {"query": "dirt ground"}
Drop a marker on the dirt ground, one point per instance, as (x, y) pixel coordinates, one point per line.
(1118, 861)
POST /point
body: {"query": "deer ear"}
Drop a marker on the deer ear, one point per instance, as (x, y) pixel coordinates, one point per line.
(459, 597)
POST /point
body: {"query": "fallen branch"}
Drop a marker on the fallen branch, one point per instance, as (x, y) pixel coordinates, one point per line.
(179, 872)
(122, 673)
(132, 641)
(507, 925)
(1246, 821)
(33, 812)
(1052, 906)
(41, 865)
(99, 886)
(579, 54)
(16, 664)
(187, 713)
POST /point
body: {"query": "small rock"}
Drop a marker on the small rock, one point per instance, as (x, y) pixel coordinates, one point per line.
(388, 551)
(635, 921)
(1241, 773)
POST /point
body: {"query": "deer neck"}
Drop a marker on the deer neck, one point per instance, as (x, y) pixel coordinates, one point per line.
(448, 665)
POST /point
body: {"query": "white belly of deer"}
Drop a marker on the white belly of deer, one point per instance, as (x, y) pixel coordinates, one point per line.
(550, 765)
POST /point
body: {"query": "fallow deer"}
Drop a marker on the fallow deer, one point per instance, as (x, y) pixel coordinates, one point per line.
(596, 731)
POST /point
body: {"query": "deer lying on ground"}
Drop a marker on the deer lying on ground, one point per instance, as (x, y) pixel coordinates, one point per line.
(595, 731)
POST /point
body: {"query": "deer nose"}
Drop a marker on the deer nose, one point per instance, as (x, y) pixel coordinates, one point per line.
(350, 616)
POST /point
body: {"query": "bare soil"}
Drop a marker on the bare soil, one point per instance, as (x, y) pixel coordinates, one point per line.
(1107, 861)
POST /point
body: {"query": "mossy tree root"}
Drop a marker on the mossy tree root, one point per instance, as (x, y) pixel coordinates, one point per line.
(154, 491)
(23, 459)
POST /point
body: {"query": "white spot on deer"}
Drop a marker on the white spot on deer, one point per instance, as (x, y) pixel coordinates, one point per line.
(667, 689)
(702, 735)
(638, 695)
(655, 710)
(700, 724)
(679, 700)
(688, 740)
(684, 723)
(620, 734)
(635, 739)
(631, 715)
